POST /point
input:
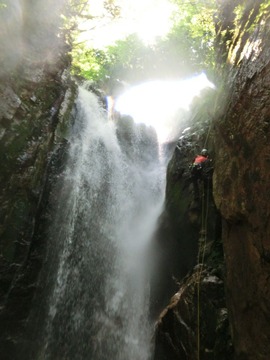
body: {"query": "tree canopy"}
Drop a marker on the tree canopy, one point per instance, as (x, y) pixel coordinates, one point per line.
(187, 48)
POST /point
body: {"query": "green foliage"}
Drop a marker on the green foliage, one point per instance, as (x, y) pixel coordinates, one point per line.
(75, 10)
(127, 57)
(265, 7)
(239, 11)
(187, 48)
(194, 31)
(112, 8)
(90, 63)
(254, 14)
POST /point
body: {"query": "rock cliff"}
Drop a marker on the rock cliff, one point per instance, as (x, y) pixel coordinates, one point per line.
(241, 183)
(239, 141)
(215, 252)
(191, 265)
(36, 97)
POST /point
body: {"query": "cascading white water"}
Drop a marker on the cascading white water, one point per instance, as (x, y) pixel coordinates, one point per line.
(109, 200)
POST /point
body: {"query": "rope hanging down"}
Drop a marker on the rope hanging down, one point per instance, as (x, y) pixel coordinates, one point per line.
(201, 255)
(202, 239)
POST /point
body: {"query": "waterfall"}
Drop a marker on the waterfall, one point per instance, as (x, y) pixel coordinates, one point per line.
(110, 195)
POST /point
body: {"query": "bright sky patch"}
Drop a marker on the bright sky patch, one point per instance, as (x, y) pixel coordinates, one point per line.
(156, 103)
(147, 18)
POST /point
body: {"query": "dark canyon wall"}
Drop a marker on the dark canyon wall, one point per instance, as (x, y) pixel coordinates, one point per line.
(242, 186)
(238, 319)
(36, 97)
(191, 262)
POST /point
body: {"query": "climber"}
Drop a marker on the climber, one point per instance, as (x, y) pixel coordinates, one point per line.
(198, 162)
(201, 172)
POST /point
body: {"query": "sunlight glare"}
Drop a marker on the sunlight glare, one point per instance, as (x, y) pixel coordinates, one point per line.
(157, 103)
(149, 19)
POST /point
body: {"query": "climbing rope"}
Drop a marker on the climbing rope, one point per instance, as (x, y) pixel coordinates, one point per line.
(201, 255)
(208, 133)
(211, 120)
(202, 241)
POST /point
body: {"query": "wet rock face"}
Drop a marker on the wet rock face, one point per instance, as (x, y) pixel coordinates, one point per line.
(177, 237)
(33, 136)
(36, 98)
(191, 263)
(195, 320)
(242, 188)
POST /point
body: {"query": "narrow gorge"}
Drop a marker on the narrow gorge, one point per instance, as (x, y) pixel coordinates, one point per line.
(106, 251)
